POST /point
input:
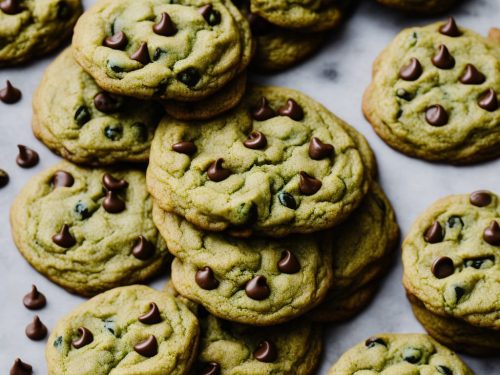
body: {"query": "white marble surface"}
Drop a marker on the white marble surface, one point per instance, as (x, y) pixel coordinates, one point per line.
(336, 77)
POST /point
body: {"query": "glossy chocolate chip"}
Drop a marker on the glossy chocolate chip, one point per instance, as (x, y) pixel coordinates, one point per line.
(444, 370)
(4, 178)
(36, 330)
(11, 6)
(113, 132)
(27, 157)
(10, 94)
(480, 198)
(142, 54)
(434, 233)
(205, 279)
(308, 185)
(211, 368)
(287, 200)
(450, 28)
(62, 179)
(184, 147)
(266, 352)
(190, 77)
(256, 141)
(443, 59)
(112, 203)
(442, 267)
(319, 150)
(210, 14)
(64, 238)
(436, 115)
(472, 76)
(488, 100)
(107, 103)
(152, 316)
(34, 300)
(292, 109)
(492, 234)
(257, 288)
(412, 355)
(85, 337)
(147, 348)
(372, 341)
(20, 368)
(165, 27)
(117, 41)
(412, 71)
(143, 249)
(112, 183)
(259, 26)
(216, 172)
(288, 263)
(82, 115)
(263, 111)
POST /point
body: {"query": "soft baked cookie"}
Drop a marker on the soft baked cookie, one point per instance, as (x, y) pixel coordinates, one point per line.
(184, 51)
(251, 281)
(434, 94)
(450, 260)
(32, 28)
(84, 124)
(419, 6)
(401, 354)
(88, 230)
(279, 163)
(128, 330)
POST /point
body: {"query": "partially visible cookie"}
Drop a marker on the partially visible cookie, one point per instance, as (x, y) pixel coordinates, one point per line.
(420, 6)
(128, 330)
(494, 34)
(84, 124)
(88, 230)
(399, 354)
(31, 28)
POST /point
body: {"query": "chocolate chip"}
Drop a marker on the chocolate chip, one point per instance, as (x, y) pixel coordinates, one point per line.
(412, 355)
(82, 210)
(210, 15)
(211, 368)
(85, 338)
(257, 288)
(117, 41)
(436, 115)
(478, 263)
(450, 28)
(266, 352)
(459, 293)
(259, 26)
(372, 341)
(9, 94)
(184, 147)
(442, 267)
(216, 172)
(455, 221)
(62, 179)
(27, 157)
(147, 348)
(492, 234)
(488, 100)
(308, 185)
(319, 150)
(190, 77)
(472, 76)
(287, 200)
(443, 59)
(112, 203)
(165, 27)
(152, 316)
(64, 238)
(4, 178)
(21, 368)
(480, 198)
(113, 132)
(114, 184)
(263, 111)
(434, 233)
(288, 263)
(36, 330)
(444, 370)
(412, 71)
(142, 54)
(11, 6)
(82, 115)
(292, 109)
(107, 103)
(403, 94)
(256, 141)
(143, 249)
(34, 300)
(158, 54)
(205, 279)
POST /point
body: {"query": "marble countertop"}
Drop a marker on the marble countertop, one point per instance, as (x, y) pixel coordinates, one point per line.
(337, 77)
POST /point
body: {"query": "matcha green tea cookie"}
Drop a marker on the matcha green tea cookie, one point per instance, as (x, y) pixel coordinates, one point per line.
(87, 125)
(451, 266)
(184, 50)
(88, 230)
(31, 28)
(401, 354)
(419, 6)
(362, 249)
(435, 94)
(252, 281)
(278, 163)
(128, 330)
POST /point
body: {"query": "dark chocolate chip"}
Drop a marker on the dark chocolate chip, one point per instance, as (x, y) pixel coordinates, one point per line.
(412, 355)
(436, 115)
(64, 238)
(113, 132)
(266, 352)
(112, 203)
(190, 77)
(480, 198)
(205, 278)
(488, 100)
(20, 368)
(263, 111)
(434, 233)
(116, 68)
(82, 210)
(117, 41)
(34, 300)
(477, 263)
(152, 316)
(82, 115)
(85, 338)
(184, 147)
(10, 94)
(165, 27)
(459, 293)
(4, 178)
(472, 76)
(492, 234)
(142, 54)
(308, 185)
(107, 103)
(36, 330)
(211, 368)
(158, 54)
(143, 249)
(444, 370)
(257, 288)
(372, 341)
(258, 25)
(443, 59)
(287, 200)
(403, 94)
(288, 263)
(256, 141)
(442, 267)
(216, 172)
(450, 28)
(210, 14)
(319, 150)
(62, 179)
(11, 6)
(455, 221)
(292, 109)
(412, 71)
(114, 184)
(147, 348)
(27, 157)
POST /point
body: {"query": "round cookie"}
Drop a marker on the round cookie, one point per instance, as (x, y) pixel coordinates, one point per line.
(128, 330)
(434, 94)
(252, 281)
(84, 124)
(401, 354)
(184, 51)
(252, 167)
(88, 230)
(32, 28)
(419, 6)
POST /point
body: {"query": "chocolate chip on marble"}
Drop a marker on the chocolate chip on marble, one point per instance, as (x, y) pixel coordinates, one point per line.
(288, 263)
(210, 14)
(62, 179)
(472, 76)
(308, 185)
(106, 102)
(36, 330)
(256, 141)
(444, 370)
(147, 348)
(112, 183)
(436, 115)
(263, 111)
(211, 368)
(205, 278)
(165, 27)
(257, 288)
(292, 109)
(184, 147)
(4, 178)
(492, 234)
(152, 316)
(266, 352)
(434, 233)
(82, 115)
(20, 368)
(112, 203)
(443, 58)
(442, 267)
(190, 77)
(11, 6)
(412, 355)
(10, 94)
(319, 150)
(287, 200)
(450, 28)
(412, 71)
(143, 249)
(64, 238)
(27, 157)
(488, 100)
(142, 54)
(116, 41)
(480, 198)
(85, 338)
(216, 172)
(34, 300)
(372, 341)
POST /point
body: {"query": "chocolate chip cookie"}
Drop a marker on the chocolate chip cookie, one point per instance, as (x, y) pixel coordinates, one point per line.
(420, 6)
(434, 94)
(88, 230)
(84, 124)
(128, 330)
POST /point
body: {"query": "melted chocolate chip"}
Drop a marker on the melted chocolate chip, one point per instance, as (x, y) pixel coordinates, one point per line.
(292, 109)
(488, 100)
(442, 267)
(4, 178)
(107, 103)
(205, 279)
(211, 368)
(216, 172)
(165, 27)
(257, 288)
(480, 198)
(21, 368)
(288, 263)
(436, 115)
(443, 59)
(287, 200)
(143, 249)
(210, 15)
(112, 203)
(147, 348)
(434, 233)
(11, 6)
(258, 25)
(152, 316)
(10, 94)
(112, 183)
(117, 41)
(64, 238)
(319, 150)
(372, 341)
(263, 111)
(62, 179)
(190, 77)
(492, 234)
(184, 147)
(34, 300)
(266, 352)
(256, 141)
(85, 338)
(27, 157)
(308, 185)
(450, 28)
(412, 71)
(472, 76)
(142, 54)
(36, 330)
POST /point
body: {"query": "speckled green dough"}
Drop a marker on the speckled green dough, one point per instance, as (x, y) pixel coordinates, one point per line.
(463, 225)
(250, 195)
(102, 256)
(112, 317)
(67, 121)
(421, 6)
(218, 53)
(472, 133)
(40, 27)
(401, 354)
